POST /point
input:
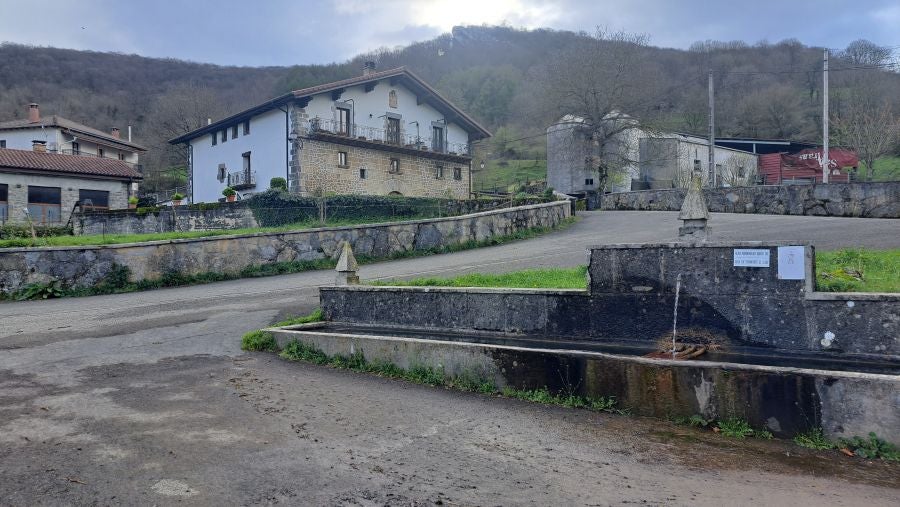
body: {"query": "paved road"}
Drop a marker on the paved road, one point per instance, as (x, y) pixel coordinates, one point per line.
(146, 398)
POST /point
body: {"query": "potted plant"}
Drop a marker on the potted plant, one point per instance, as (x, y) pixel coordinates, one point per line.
(177, 198)
(132, 202)
(229, 194)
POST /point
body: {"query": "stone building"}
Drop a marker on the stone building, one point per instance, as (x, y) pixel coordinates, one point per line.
(48, 186)
(381, 133)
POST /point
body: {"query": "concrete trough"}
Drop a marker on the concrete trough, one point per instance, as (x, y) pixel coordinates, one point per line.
(786, 400)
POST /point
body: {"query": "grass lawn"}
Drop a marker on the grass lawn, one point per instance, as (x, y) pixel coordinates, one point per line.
(544, 278)
(858, 270)
(839, 271)
(113, 239)
(886, 169)
(496, 174)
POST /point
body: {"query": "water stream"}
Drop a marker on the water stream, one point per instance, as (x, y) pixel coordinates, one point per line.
(675, 313)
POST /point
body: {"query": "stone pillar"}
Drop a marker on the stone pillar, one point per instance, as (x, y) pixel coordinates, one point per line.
(347, 267)
(694, 212)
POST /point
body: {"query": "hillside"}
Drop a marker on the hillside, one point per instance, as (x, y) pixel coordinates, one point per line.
(765, 90)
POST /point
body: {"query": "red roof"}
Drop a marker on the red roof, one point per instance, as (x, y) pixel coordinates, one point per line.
(68, 164)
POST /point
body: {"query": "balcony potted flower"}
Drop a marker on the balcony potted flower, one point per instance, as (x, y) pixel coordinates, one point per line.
(177, 198)
(132, 202)
(229, 194)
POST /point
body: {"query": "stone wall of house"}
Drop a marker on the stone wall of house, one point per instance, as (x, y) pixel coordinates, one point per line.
(871, 200)
(417, 176)
(86, 266)
(17, 188)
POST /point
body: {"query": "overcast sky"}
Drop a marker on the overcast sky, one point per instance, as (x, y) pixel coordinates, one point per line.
(285, 32)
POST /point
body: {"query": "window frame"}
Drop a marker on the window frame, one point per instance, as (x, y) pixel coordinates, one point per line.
(215, 138)
(457, 173)
(93, 206)
(234, 131)
(394, 167)
(344, 128)
(343, 159)
(45, 208)
(246, 127)
(76, 148)
(3, 143)
(224, 134)
(391, 134)
(245, 163)
(362, 173)
(437, 141)
(4, 202)
(439, 172)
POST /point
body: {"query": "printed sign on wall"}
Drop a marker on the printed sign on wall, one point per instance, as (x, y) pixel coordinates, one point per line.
(791, 263)
(751, 257)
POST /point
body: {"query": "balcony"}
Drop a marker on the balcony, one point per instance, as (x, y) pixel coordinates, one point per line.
(362, 135)
(242, 180)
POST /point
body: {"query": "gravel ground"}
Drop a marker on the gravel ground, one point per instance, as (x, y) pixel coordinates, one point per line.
(146, 398)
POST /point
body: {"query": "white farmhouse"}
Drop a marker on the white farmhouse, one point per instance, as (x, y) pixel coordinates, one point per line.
(66, 137)
(381, 133)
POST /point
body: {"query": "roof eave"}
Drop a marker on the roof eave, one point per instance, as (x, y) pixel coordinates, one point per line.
(243, 115)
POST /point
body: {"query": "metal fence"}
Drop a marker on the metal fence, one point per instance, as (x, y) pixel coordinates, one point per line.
(386, 136)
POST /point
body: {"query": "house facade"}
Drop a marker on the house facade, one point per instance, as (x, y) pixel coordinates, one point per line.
(381, 133)
(46, 187)
(66, 137)
(643, 159)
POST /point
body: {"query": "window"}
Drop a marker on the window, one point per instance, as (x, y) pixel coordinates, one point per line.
(439, 172)
(121, 156)
(100, 152)
(222, 173)
(76, 149)
(43, 204)
(246, 159)
(93, 199)
(246, 127)
(457, 173)
(2, 143)
(437, 139)
(234, 132)
(362, 174)
(741, 172)
(395, 166)
(215, 138)
(342, 159)
(392, 99)
(4, 196)
(225, 136)
(589, 181)
(343, 121)
(393, 131)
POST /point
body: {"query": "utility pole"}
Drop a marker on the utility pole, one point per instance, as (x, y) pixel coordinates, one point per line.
(825, 168)
(712, 134)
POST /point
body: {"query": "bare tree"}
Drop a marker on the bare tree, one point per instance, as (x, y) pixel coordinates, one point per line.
(869, 127)
(610, 82)
(863, 52)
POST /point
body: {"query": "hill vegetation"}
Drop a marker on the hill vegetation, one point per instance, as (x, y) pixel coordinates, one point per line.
(500, 75)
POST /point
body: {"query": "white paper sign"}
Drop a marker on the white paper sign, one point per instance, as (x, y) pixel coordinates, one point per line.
(751, 257)
(791, 263)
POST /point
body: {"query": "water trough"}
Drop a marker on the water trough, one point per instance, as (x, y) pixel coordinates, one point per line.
(787, 359)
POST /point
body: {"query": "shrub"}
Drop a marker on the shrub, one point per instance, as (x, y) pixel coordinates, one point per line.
(278, 184)
(872, 448)
(260, 341)
(228, 192)
(12, 231)
(133, 200)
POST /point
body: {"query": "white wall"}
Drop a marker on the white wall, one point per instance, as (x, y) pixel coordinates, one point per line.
(21, 139)
(267, 144)
(369, 110)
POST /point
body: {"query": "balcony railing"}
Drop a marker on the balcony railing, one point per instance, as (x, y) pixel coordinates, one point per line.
(365, 133)
(241, 180)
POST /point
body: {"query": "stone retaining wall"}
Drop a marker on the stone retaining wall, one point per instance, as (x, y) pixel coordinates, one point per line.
(632, 298)
(87, 266)
(223, 216)
(871, 200)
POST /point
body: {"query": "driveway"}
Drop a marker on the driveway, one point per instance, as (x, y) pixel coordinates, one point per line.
(146, 398)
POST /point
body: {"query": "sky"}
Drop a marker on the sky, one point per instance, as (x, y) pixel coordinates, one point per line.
(288, 32)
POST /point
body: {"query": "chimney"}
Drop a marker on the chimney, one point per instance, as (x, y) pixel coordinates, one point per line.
(114, 132)
(34, 113)
(39, 146)
(129, 133)
(209, 121)
(368, 68)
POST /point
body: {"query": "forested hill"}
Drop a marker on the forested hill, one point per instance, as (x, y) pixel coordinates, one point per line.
(762, 90)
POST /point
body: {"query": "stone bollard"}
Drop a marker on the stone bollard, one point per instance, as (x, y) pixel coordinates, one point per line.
(694, 212)
(347, 267)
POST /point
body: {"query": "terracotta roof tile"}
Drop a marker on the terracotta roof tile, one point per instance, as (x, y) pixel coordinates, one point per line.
(74, 164)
